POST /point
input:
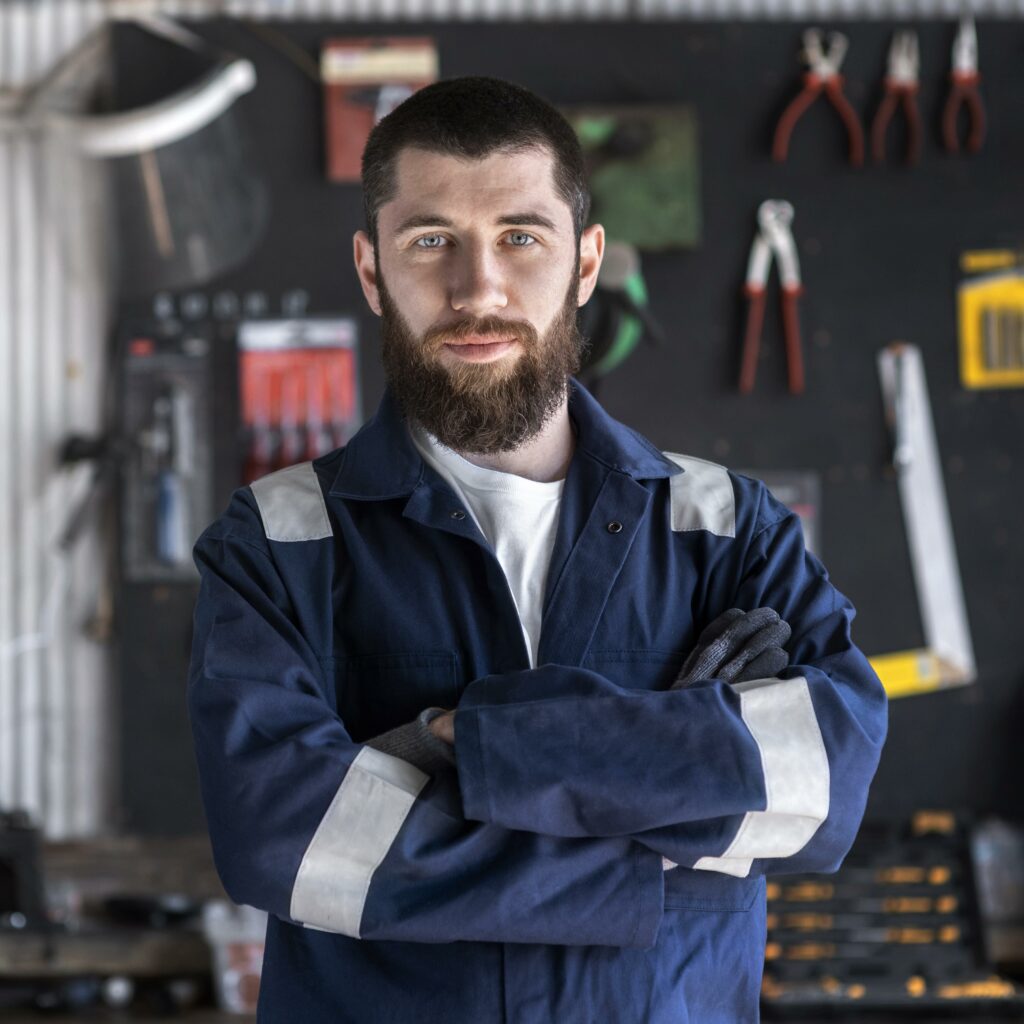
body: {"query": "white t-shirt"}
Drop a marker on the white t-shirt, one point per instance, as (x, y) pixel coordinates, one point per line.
(517, 516)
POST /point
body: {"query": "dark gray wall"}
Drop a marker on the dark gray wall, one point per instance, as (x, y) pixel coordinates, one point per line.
(879, 248)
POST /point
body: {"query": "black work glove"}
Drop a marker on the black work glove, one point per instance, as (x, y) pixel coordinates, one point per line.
(738, 646)
(415, 743)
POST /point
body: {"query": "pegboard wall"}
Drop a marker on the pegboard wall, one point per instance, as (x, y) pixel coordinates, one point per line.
(879, 247)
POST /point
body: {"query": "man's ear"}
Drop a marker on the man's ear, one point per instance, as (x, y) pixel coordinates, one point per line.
(591, 254)
(362, 252)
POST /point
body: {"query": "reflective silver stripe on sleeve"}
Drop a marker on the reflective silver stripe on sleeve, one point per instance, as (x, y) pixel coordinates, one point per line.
(702, 497)
(780, 716)
(355, 835)
(292, 505)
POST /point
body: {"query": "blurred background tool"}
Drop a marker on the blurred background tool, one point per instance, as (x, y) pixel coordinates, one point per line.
(774, 217)
(21, 884)
(364, 79)
(823, 75)
(964, 92)
(163, 422)
(72, 938)
(901, 87)
(617, 317)
(298, 383)
(990, 315)
(643, 172)
(177, 168)
(896, 929)
(169, 445)
(948, 656)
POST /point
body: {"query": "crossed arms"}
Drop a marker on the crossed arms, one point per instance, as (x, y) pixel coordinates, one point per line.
(569, 790)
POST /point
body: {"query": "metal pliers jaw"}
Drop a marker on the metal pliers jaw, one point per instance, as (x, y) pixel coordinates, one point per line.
(824, 63)
(965, 78)
(774, 217)
(901, 86)
(822, 75)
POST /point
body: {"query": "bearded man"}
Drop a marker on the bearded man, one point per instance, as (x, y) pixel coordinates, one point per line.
(501, 713)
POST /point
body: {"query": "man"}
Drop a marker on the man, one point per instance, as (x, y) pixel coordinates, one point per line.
(496, 709)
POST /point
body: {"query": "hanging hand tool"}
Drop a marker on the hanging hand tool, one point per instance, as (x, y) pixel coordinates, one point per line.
(617, 318)
(948, 657)
(965, 78)
(169, 464)
(900, 88)
(318, 437)
(774, 217)
(264, 437)
(823, 75)
(293, 435)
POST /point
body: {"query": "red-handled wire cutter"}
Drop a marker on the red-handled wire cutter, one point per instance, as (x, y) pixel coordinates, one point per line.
(823, 75)
(774, 217)
(965, 78)
(900, 88)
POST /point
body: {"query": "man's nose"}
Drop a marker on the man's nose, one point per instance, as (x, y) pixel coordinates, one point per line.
(478, 284)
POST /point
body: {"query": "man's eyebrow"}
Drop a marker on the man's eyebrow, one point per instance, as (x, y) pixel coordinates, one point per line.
(528, 218)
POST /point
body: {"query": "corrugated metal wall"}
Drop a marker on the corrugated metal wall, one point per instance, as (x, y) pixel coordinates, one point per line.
(55, 698)
(57, 731)
(362, 10)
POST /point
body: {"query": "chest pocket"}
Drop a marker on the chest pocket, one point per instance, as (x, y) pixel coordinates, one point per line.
(686, 889)
(376, 692)
(637, 669)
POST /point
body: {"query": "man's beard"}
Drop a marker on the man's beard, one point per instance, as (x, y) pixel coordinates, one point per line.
(481, 408)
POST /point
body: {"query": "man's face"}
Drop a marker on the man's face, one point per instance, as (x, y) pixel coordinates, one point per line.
(477, 279)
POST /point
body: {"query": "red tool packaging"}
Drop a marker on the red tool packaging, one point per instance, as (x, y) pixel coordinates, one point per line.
(364, 80)
(299, 390)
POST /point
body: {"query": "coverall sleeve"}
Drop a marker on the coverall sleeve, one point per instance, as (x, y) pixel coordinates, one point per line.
(768, 775)
(332, 834)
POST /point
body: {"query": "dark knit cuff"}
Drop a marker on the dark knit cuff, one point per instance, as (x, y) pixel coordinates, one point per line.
(415, 743)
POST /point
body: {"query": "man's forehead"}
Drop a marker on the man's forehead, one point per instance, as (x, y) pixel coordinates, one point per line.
(429, 184)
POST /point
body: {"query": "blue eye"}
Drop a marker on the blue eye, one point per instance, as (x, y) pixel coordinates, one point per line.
(519, 240)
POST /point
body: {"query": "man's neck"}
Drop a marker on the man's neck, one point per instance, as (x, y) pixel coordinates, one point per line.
(545, 457)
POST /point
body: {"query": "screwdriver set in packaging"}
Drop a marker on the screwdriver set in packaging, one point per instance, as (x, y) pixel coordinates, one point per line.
(897, 926)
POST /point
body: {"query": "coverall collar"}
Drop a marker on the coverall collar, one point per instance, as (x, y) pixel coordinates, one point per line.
(381, 461)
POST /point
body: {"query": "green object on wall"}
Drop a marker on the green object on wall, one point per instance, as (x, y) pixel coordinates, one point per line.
(629, 334)
(643, 168)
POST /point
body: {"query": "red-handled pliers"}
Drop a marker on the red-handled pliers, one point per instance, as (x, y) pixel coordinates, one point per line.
(900, 87)
(965, 78)
(774, 238)
(823, 75)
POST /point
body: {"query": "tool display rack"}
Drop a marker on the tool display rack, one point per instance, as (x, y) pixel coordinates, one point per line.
(898, 926)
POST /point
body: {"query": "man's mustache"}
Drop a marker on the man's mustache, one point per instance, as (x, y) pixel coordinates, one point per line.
(492, 328)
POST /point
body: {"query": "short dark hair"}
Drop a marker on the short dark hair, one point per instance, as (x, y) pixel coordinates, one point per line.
(472, 117)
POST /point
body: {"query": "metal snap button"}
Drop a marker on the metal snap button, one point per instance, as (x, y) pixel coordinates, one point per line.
(458, 514)
(614, 527)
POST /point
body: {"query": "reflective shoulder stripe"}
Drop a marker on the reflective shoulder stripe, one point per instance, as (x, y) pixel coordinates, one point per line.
(780, 717)
(353, 838)
(702, 497)
(292, 505)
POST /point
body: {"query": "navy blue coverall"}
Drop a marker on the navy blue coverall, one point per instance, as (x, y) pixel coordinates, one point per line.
(525, 885)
